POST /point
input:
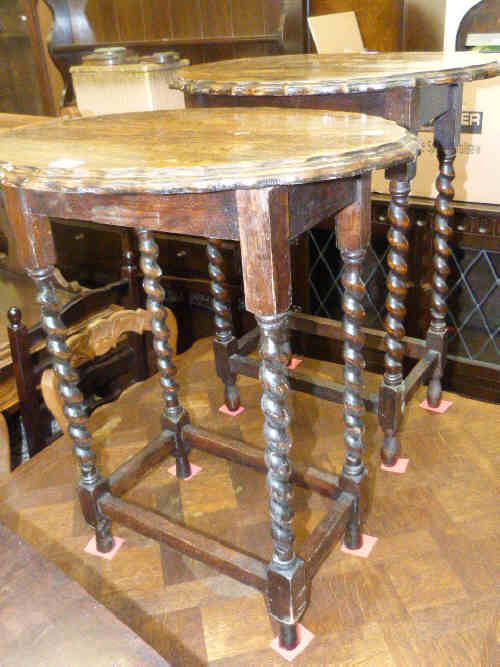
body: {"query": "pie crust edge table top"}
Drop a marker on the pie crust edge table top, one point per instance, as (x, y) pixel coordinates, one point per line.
(195, 150)
(315, 74)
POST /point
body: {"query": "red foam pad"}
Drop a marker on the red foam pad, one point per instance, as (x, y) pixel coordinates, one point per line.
(294, 362)
(305, 638)
(399, 467)
(91, 548)
(366, 547)
(442, 407)
(194, 471)
(231, 413)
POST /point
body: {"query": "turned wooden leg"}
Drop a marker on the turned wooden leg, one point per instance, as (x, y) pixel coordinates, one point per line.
(353, 229)
(446, 139)
(91, 485)
(353, 469)
(265, 253)
(130, 271)
(174, 417)
(436, 335)
(391, 394)
(224, 342)
(286, 570)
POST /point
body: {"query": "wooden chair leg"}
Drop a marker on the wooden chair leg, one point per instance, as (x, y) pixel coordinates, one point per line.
(29, 407)
(4, 449)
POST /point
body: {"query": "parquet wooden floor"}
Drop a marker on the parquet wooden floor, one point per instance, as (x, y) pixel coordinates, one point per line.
(425, 596)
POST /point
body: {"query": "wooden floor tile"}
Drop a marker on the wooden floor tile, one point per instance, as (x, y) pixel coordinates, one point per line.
(425, 596)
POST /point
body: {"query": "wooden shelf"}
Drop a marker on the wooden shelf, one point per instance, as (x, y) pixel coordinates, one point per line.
(168, 42)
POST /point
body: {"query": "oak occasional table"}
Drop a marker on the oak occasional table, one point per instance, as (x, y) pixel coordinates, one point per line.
(412, 89)
(259, 176)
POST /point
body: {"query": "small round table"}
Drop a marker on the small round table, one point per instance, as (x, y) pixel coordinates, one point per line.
(413, 89)
(260, 176)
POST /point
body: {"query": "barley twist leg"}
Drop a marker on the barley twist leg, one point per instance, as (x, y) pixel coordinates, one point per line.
(354, 363)
(91, 485)
(174, 416)
(224, 343)
(442, 235)
(391, 402)
(285, 567)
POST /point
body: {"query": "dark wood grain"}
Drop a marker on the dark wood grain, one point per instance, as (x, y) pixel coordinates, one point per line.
(247, 569)
(328, 531)
(132, 470)
(305, 382)
(264, 249)
(234, 450)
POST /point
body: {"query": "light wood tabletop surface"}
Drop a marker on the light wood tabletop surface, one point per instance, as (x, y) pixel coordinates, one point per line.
(199, 150)
(315, 74)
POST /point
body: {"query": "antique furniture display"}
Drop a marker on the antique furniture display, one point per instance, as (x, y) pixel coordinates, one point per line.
(260, 176)
(413, 89)
(23, 355)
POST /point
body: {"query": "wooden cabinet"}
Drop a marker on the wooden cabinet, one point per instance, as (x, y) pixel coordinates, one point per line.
(25, 81)
(20, 90)
(201, 30)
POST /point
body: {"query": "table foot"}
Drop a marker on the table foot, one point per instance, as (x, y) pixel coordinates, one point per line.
(390, 451)
(289, 636)
(434, 391)
(103, 537)
(352, 537)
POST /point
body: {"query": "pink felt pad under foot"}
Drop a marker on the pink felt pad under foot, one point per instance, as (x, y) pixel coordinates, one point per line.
(442, 407)
(399, 467)
(232, 413)
(305, 638)
(91, 548)
(294, 362)
(194, 471)
(366, 547)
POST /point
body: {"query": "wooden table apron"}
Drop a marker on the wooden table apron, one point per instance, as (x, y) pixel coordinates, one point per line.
(284, 197)
(433, 97)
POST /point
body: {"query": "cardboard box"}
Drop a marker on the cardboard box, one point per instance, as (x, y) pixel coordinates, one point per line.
(476, 164)
(336, 33)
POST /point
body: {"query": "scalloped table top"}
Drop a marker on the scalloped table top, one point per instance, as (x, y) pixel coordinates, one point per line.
(314, 74)
(197, 150)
